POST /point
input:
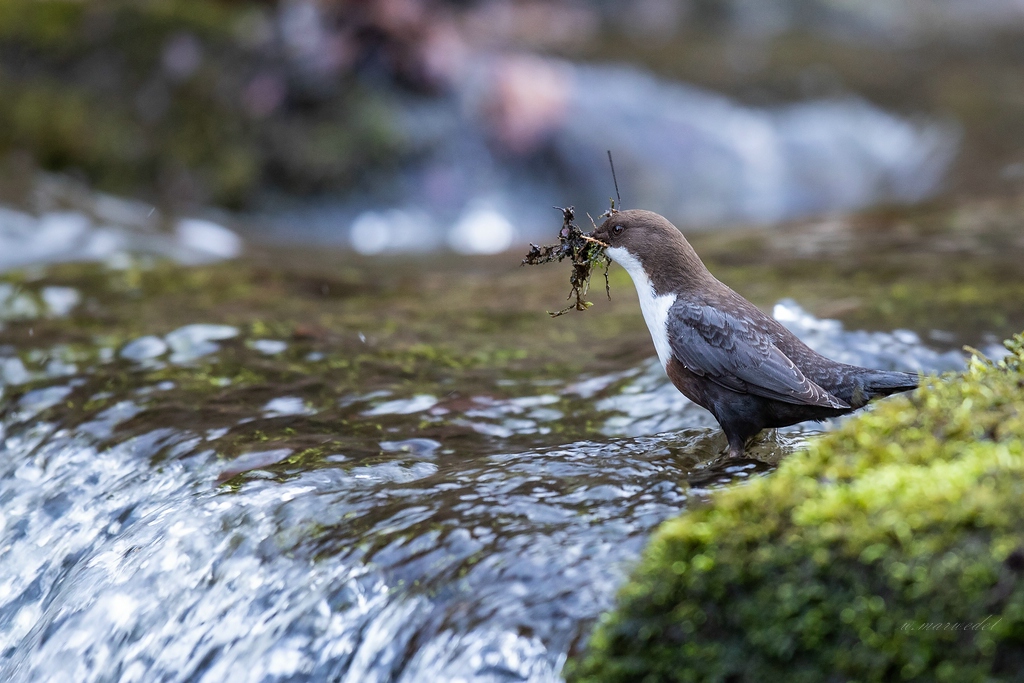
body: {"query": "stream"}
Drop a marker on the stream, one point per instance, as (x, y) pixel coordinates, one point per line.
(208, 504)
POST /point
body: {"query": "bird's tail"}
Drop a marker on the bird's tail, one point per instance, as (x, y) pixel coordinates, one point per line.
(882, 382)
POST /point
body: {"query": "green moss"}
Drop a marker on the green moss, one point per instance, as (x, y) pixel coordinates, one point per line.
(891, 549)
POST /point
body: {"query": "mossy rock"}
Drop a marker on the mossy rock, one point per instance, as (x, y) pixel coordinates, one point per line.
(891, 549)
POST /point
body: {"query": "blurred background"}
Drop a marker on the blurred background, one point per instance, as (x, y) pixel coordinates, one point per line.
(417, 125)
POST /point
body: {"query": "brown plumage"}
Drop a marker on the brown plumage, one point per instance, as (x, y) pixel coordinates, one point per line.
(720, 350)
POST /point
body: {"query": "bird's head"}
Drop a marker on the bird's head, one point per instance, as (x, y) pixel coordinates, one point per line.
(643, 239)
(637, 231)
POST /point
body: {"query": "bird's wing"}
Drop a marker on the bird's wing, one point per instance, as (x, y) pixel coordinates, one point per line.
(737, 355)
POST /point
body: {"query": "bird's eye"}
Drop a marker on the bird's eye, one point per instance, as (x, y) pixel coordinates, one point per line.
(618, 229)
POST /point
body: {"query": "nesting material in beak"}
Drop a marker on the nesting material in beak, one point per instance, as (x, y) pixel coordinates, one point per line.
(584, 251)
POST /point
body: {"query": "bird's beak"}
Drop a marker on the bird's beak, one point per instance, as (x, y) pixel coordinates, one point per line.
(598, 235)
(590, 238)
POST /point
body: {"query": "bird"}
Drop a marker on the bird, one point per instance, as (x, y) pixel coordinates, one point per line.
(721, 351)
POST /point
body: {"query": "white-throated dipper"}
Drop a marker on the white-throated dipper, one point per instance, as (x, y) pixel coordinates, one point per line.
(720, 350)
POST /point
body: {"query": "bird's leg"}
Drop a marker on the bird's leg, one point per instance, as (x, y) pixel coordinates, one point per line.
(737, 444)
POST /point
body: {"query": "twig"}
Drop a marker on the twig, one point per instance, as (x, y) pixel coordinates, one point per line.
(615, 181)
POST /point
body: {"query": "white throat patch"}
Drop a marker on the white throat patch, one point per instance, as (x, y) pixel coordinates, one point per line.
(654, 307)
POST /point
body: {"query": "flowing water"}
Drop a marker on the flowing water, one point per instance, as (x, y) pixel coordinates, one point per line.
(274, 469)
(214, 503)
